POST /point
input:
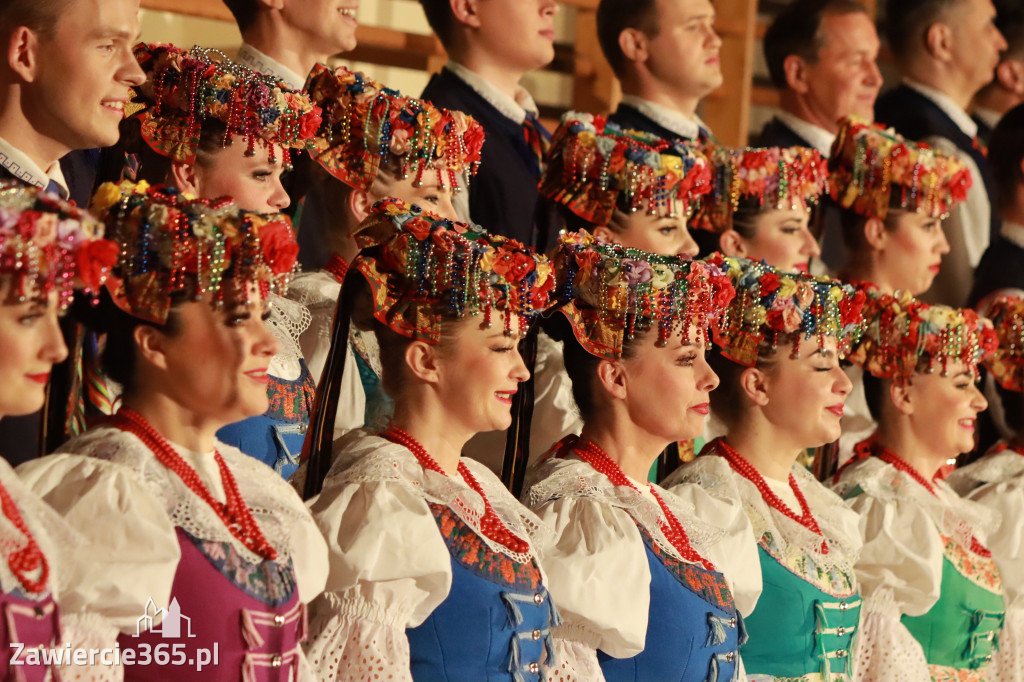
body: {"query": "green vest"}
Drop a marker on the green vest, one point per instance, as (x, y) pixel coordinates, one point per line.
(798, 629)
(962, 629)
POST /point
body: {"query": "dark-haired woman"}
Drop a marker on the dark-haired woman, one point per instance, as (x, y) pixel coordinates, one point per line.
(434, 574)
(213, 128)
(47, 247)
(894, 194)
(375, 143)
(760, 204)
(996, 481)
(625, 187)
(191, 526)
(782, 392)
(933, 602)
(651, 586)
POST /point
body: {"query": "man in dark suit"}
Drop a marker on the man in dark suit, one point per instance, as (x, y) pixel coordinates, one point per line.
(64, 82)
(491, 46)
(1001, 269)
(947, 50)
(63, 85)
(1007, 87)
(665, 55)
(822, 56)
(285, 39)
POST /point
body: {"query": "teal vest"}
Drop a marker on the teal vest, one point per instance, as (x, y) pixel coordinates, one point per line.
(798, 629)
(961, 630)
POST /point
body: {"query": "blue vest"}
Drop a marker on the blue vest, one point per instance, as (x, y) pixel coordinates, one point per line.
(693, 628)
(494, 625)
(275, 437)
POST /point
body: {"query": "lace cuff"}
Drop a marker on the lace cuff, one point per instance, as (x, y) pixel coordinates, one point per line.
(577, 632)
(87, 630)
(576, 662)
(347, 643)
(886, 650)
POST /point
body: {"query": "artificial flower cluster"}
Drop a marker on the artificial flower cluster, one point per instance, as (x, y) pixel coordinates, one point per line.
(874, 170)
(903, 336)
(423, 269)
(367, 126)
(773, 177)
(185, 89)
(773, 307)
(594, 167)
(170, 242)
(1007, 362)
(612, 293)
(48, 244)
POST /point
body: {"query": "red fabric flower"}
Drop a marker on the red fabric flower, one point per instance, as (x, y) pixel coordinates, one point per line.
(95, 259)
(513, 265)
(474, 141)
(960, 184)
(724, 291)
(310, 123)
(418, 227)
(280, 250)
(851, 308)
(769, 283)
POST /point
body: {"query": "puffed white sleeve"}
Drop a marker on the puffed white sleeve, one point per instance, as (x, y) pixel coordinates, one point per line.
(900, 573)
(389, 569)
(1006, 542)
(735, 555)
(554, 414)
(132, 552)
(599, 579)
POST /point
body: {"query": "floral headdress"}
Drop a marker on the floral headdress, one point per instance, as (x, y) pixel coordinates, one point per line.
(874, 169)
(901, 333)
(184, 89)
(422, 268)
(773, 307)
(168, 241)
(613, 292)
(775, 177)
(1007, 362)
(366, 125)
(48, 244)
(594, 166)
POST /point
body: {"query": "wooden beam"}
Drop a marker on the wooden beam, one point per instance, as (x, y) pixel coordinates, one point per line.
(592, 83)
(207, 9)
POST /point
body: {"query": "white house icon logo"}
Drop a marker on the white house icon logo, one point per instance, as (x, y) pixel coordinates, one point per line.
(169, 627)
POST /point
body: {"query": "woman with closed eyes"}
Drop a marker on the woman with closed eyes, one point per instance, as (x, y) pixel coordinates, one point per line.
(782, 391)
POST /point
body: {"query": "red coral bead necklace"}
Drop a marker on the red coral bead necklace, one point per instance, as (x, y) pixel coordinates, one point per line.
(592, 454)
(889, 457)
(490, 525)
(747, 470)
(235, 514)
(337, 267)
(29, 558)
